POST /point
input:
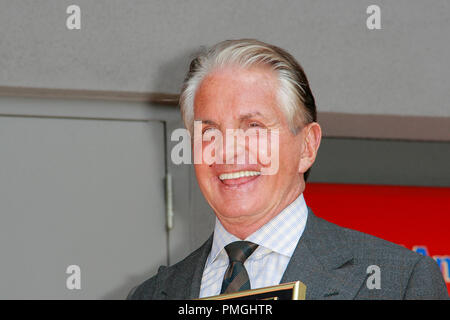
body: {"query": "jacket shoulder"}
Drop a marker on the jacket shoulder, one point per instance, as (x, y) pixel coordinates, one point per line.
(145, 290)
(170, 279)
(405, 274)
(366, 246)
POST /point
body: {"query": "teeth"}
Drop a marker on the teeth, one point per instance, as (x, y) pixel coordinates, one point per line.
(238, 174)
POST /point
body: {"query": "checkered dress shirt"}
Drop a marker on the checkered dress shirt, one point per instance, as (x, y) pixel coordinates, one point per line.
(277, 241)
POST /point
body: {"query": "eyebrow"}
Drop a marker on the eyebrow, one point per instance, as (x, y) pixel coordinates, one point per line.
(242, 117)
(205, 121)
(251, 115)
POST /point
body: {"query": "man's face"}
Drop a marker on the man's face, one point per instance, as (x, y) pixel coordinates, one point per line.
(237, 98)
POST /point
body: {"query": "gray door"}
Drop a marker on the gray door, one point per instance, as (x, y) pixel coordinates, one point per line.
(80, 192)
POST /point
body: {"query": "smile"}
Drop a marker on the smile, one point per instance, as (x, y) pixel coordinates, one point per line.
(238, 174)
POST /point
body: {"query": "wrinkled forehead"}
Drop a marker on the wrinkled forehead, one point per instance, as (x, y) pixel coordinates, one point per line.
(237, 92)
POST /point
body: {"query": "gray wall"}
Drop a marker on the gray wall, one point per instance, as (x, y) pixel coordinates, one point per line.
(141, 45)
(81, 183)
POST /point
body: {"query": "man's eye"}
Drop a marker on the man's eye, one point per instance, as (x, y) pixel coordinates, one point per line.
(208, 129)
(254, 124)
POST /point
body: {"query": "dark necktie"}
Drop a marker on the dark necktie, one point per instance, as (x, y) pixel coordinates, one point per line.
(236, 276)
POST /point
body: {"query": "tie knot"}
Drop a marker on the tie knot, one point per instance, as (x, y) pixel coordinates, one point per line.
(239, 251)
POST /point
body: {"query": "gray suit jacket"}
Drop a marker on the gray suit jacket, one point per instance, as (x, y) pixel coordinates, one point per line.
(332, 261)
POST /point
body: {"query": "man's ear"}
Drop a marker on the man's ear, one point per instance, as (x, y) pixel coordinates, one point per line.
(311, 137)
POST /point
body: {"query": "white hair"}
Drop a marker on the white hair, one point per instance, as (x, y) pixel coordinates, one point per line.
(294, 95)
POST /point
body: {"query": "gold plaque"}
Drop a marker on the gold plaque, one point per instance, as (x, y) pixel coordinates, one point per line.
(286, 291)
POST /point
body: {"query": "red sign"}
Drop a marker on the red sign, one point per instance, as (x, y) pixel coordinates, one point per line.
(415, 217)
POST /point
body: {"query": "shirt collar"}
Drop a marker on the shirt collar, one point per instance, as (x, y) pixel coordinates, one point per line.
(281, 234)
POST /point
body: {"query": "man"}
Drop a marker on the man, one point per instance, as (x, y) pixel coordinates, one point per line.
(265, 234)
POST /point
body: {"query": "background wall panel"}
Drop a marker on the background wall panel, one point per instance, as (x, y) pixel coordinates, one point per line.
(83, 192)
(145, 46)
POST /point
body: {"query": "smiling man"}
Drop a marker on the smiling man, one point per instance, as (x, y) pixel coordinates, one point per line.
(264, 233)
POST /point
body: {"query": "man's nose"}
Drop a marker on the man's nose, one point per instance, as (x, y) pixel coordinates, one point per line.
(234, 149)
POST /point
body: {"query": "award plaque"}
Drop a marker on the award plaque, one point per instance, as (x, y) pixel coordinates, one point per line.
(286, 291)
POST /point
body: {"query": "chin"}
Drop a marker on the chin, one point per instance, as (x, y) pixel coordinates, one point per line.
(238, 207)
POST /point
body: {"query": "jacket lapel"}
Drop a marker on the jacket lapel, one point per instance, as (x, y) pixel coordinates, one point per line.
(197, 271)
(324, 262)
